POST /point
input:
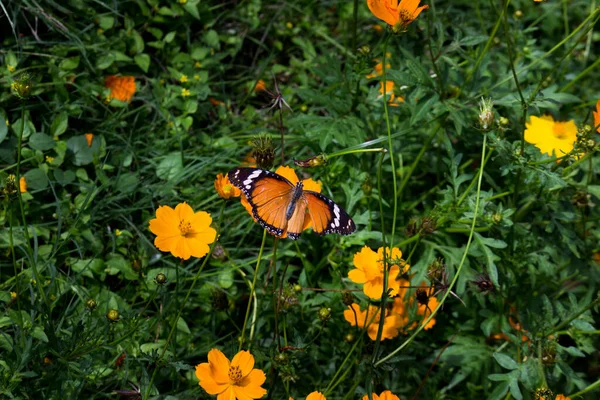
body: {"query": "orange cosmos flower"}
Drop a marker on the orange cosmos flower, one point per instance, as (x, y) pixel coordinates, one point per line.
(260, 86)
(550, 136)
(389, 91)
(225, 189)
(215, 102)
(378, 68)
(121, 87)
(291, 176)
(426, 309)
(22, 184)
(396, 14)
(562, 397)
(597, 117)
(182, 232)
(235, 380)
(369, 271)
(370, 319)
(387, 395)
(89, 138)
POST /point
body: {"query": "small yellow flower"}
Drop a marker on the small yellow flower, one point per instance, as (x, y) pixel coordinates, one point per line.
(10, 68)
(183, 78)
(185, 92)
(197, 77)
(118, 232)
(100, 31)
(289, 25)
(182, 1)
(49, 159)
(197, 64)
(551, 136)
(13, 295)
(7, 122)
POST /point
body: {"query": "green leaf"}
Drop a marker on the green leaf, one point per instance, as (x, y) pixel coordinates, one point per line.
(192, 8)
(142, 61)
(83, 154)
(183, 326)
(36, 179)
(505, 361)
(64, 177)
(39, 334)
(105, 61)
(226, 278)
(106, 22)
(170, 166)
(500, 391)
(59, 124)
(87, 267)
(69, 64)
(169, 37)
(212, 38)
(3, 128)
(41, 141)
(117, 263)
(484, 245)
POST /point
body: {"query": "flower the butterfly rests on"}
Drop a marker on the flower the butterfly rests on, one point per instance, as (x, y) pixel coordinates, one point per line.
(286, 209)
(397, 14)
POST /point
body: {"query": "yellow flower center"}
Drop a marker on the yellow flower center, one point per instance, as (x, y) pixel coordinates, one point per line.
(235, 374)
(227, 189)
(185, 227)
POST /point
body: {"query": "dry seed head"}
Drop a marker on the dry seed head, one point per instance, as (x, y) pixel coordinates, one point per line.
(263, 151)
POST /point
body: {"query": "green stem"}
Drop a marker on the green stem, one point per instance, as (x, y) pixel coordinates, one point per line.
(464, 195)
(593, 386)
(253, 288)
(459, 269)
(187, 296)
(344, 152)
(573, 317)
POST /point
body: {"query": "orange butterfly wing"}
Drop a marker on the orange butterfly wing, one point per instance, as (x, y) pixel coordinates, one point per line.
(269, 195)
(299, 219)
(326, 216)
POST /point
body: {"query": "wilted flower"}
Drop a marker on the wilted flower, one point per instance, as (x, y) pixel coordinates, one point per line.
(260, 86)
(225, 188)
(484, 283)
(550, 136)
(182, 232)
(486, 114)
(396, 14)
(22, 85)
(386, 395)
(315, 161)
(235, 380)
(543, 394)
(121, 87)
(263, 151)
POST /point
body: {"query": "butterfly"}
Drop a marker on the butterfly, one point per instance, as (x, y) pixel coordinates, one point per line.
(284, 208)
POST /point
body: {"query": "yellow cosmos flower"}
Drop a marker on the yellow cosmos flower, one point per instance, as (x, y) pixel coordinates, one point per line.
(389, 91)
(596, 117)
(396, 14)
(235, 380)
(224, 187)
(550, 136)
(386, 395)
(370, 319)
(291, 176)
(182, 232)
(369, 271)
(22, 184)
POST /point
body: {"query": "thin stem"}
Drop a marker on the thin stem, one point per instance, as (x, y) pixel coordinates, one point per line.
(253, 288)
(344, 152)
(187, 296)
(593, 386)
(459, 269)
(464, 195)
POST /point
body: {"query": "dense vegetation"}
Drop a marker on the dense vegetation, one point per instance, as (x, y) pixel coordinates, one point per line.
(463, 135)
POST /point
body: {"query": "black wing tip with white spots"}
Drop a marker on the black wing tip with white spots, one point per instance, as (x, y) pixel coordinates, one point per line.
(341, 223)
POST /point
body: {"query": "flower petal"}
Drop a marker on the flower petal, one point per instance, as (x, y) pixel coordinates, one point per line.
(200, 221)
(379, 9)
(357, 276)
(219, 364)
(165, 244)
(184, 211)
(309, 184)
(205, 375)
(198, 247)
(316, 396)
(245, 361)
(365, 258)
(181, 249)
(228, 394)
(249, 387)
(287, 173)
(373, 289)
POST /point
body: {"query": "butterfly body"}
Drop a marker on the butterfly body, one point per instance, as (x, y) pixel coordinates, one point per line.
(285, 209)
